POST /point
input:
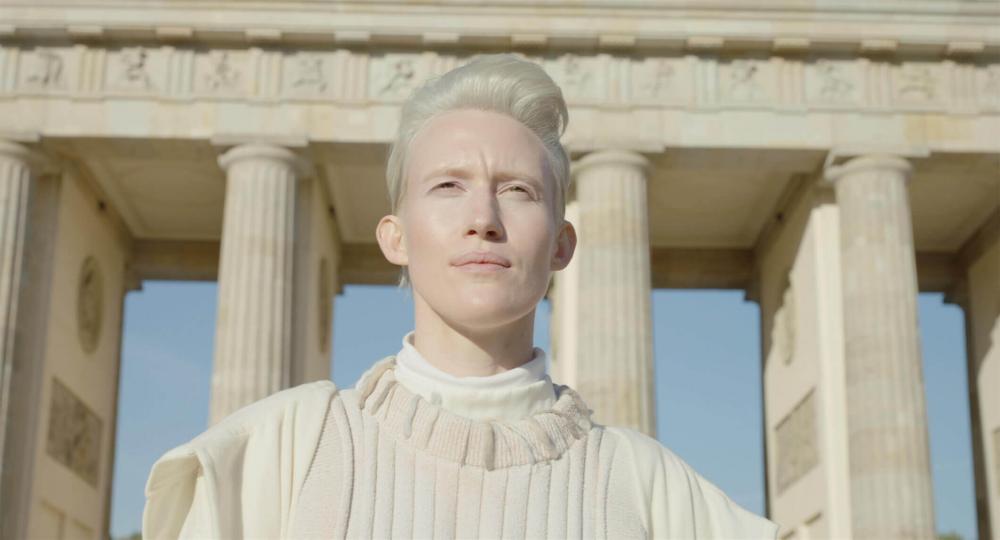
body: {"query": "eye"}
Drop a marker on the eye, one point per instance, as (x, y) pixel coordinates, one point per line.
(522, 188)
(452, 184)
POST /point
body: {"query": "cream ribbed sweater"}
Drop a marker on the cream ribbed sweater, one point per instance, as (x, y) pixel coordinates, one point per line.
(388, 462)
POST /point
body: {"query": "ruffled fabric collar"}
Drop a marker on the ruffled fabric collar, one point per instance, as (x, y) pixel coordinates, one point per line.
(489, 443)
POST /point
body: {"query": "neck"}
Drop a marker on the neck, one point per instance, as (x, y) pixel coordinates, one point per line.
(463, 351)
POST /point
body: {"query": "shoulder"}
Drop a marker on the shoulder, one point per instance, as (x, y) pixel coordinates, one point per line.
(664, 478)
(278, 432)
(307, 401)
(306, 398)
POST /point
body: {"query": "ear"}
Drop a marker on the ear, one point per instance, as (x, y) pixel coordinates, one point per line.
(389, 233)
(565, 246)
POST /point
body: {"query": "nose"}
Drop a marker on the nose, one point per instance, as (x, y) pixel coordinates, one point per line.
(484, 216)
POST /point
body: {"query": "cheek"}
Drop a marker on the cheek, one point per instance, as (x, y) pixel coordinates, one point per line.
(536, 239)
(426, 237)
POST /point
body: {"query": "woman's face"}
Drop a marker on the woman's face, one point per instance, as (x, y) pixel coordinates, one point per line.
(477, 181)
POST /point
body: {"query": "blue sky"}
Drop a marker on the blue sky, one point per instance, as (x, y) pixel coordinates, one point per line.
(707, 349)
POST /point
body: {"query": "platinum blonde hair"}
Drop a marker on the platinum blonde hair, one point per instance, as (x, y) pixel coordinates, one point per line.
(504, 83)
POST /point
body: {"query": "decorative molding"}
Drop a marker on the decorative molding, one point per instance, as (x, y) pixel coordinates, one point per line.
(705, 80)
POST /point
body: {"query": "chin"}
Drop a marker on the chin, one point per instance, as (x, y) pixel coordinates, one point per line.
(487, 311)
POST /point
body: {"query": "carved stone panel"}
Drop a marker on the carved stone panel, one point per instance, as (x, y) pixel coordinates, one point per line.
(579, 77)
(90, 304)
(74, 435)
(662, 81)
(919, 84)
(222, 73)
(746, 81)
(46, 69)
(392, 77)
(797, 451)
(136, 71)
(307, 74)
(989, 87)
(834, 83)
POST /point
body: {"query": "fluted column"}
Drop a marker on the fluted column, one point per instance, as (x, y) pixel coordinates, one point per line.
(15, 180)
(18, 166)
(890, 478)
(609, 288)
(254, 321)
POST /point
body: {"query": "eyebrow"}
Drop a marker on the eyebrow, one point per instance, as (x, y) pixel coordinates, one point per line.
(463, 172)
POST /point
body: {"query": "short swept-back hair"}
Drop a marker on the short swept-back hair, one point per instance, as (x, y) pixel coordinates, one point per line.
(503, 83)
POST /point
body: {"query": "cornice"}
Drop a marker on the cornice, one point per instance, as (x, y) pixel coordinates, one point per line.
(918, 28)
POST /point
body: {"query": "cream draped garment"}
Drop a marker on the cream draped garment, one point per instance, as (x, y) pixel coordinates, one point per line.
(412, 451)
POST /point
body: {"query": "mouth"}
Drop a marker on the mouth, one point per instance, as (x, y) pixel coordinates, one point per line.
(483, 267)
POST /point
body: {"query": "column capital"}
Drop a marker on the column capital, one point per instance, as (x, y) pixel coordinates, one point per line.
(612, 157)
(34, 160)
(264, 151)
(860, 159)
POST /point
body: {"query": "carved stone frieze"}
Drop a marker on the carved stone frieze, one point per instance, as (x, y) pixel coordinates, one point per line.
(679, 81)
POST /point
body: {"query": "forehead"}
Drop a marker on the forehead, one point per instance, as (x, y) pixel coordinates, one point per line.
(476, 138)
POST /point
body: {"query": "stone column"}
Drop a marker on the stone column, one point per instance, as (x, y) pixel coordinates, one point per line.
(19, 380)
(253, 341)
(890, 478)
(609, 337)
(15, 182)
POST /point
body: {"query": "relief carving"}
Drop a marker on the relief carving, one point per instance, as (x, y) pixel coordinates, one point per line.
(74, 434)
(990, 85)
(133, 66)
(45, 70)
(89, 304)
(391, 77)
(395, 77)
(574, 74)
(742, 81)
(309, 73)
(221, 75)
(916, 83)
(797, 447)
(834, 82)
(656, 79)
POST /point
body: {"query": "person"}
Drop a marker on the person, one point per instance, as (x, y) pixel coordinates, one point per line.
(462, 433)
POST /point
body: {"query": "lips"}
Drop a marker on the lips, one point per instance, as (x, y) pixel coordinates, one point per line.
(481, 257)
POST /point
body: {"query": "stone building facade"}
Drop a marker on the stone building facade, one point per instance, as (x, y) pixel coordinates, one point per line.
(832, 159)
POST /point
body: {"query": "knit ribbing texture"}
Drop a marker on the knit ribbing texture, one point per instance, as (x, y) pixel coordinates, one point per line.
(392, 464)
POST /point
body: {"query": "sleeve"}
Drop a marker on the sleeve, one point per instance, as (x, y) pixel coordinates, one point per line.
(175, 496)
(196, 525)
(680, 503)
(241, 477)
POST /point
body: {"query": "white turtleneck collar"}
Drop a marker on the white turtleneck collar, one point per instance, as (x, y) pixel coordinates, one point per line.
(511, 395)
